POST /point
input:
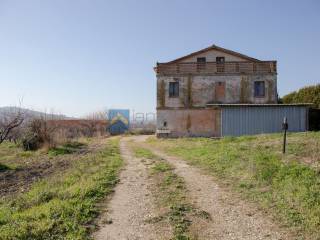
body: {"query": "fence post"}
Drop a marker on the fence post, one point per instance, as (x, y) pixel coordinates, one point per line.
(285, 128)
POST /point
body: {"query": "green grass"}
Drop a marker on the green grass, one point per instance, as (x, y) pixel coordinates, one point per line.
(67, 148)
(4, 167)
(64, 205)
(13, 156)
(26, 154)
(172, 196)
(161, 167)
(143, 153)
(287, 186)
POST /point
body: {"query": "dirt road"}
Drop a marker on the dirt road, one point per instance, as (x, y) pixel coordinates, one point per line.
(232, 218)
(131, 204)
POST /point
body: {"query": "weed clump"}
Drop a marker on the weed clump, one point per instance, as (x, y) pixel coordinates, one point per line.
(67, 148)
(4, 167)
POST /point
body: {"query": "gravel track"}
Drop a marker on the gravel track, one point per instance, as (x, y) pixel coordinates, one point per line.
(131, 205)
(232, 218)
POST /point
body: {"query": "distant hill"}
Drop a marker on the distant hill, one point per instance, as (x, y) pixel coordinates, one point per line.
(29, 114)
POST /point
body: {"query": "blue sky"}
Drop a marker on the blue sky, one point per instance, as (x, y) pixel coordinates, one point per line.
(76, 56)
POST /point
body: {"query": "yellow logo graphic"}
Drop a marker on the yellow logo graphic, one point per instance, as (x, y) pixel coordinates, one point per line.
(119, 117)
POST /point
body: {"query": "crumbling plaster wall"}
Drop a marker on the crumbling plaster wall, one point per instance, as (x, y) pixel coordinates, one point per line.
(197, 91)
(247, 88)
(190, 122)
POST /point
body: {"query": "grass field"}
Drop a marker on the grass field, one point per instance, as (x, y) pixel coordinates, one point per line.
(287, 186)
(62, 203)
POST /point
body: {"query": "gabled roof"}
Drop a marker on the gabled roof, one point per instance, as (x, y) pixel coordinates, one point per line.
(215, 47)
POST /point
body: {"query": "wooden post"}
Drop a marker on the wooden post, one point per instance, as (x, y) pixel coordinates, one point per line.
(285, 128)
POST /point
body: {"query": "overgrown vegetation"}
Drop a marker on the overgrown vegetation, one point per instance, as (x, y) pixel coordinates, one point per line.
(287, 186)
(63, 205)
(67, 148)
(33, 133)
(37, 134)
(310, 94)
(4, 167)
(13, 156)
(171, 195)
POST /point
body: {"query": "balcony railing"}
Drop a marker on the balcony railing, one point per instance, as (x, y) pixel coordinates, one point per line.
(217, 68)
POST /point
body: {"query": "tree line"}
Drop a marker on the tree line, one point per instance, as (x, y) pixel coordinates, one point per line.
(309, 94)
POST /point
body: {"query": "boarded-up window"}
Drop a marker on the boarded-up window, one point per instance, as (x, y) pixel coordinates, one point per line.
(201, 60)
(201, 63)
(220, 64)
(259, 89)
(220, 88)
(220, 59)
(174, 89)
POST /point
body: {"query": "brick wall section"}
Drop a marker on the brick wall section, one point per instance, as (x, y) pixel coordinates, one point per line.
(191, 122)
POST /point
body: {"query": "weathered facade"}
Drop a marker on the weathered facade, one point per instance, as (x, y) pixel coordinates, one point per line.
(188, 87)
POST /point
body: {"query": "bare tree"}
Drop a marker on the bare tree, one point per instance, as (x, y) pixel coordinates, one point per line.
(40, 133)
(10, 122)
(98, 115)
(94, 123)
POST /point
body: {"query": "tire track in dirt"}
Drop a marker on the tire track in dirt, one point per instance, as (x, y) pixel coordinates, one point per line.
(232, 218)
(131, 205)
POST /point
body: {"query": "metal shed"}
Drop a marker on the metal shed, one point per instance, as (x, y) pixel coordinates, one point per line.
(248, 119)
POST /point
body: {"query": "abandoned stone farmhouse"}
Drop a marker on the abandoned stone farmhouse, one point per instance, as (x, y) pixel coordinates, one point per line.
(216, 92)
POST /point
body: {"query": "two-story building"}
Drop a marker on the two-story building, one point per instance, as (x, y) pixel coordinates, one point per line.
(194, 91)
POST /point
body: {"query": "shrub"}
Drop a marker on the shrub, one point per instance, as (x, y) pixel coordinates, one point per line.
(37, 135)
(4, 167)
(31, 142)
